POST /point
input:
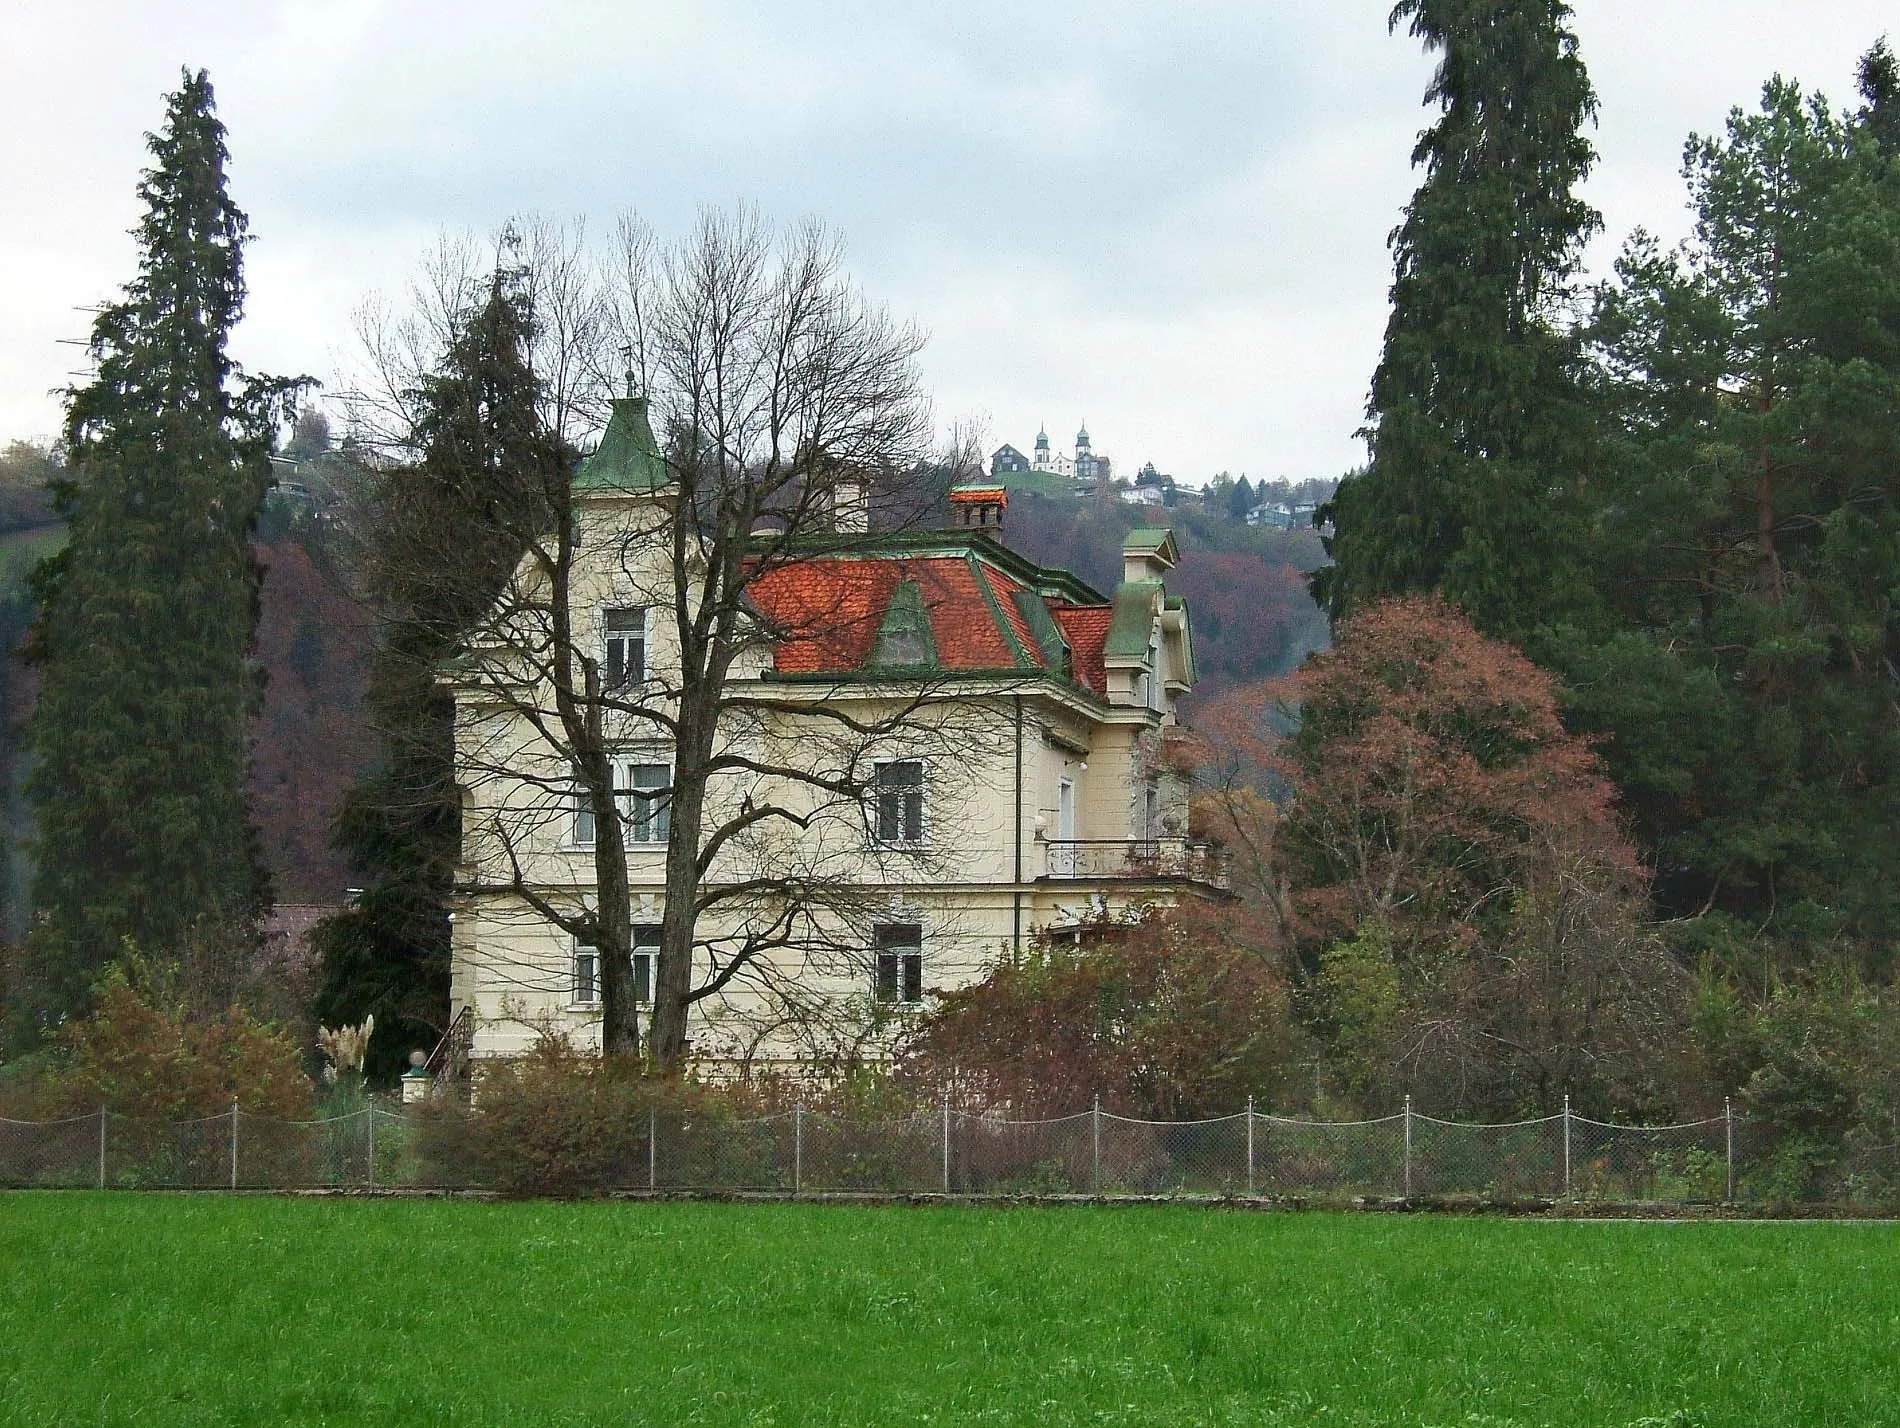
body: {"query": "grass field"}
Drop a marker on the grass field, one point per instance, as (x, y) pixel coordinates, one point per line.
(179, 1310)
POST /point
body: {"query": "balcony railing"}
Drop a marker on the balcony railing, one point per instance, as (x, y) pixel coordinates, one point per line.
(1136, 858)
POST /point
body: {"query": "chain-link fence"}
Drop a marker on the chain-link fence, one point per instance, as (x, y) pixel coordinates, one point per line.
(941, 1151)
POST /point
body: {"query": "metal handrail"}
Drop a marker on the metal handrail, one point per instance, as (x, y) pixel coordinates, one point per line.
(449, 1061)
(1109, 858)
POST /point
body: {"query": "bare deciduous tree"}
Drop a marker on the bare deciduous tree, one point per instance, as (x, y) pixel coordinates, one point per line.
(612, 681)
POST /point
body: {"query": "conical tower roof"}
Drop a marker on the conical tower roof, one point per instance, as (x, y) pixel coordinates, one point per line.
(628, 460)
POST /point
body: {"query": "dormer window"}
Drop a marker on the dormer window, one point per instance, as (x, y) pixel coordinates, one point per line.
(625, 660)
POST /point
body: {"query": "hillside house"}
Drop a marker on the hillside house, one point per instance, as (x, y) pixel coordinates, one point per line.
(1032, 793)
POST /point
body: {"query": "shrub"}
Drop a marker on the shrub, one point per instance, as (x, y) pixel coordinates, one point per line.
(141, 1054)
(1178, 1016)
(555, 1122)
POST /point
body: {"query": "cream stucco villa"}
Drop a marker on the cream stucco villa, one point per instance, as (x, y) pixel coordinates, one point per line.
(1033, 792)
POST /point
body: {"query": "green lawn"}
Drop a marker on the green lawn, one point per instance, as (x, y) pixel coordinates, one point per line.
(180, 1310)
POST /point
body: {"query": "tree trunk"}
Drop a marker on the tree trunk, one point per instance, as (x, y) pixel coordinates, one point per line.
(672, 982)
(613, 941)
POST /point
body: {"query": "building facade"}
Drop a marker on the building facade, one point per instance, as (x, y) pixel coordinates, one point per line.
(1021, 779)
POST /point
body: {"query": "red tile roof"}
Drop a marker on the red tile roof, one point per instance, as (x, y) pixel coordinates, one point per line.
(830, 609)
(1086, 627)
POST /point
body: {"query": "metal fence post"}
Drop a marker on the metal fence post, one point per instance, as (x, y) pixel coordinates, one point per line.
(234, 1115)
(946, 1145)
(1408, 1145)
(1095, 1119)
(1566, 1145)
(653, 1155)
(1728, 1123)
(798, 1147)
(102, 1147)
(1250, 1145)
(370, 1111)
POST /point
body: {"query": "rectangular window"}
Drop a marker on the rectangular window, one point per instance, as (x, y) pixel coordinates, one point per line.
(1065, 810)
(900, 801)
(586, 974)
(647, 801)
(626, 657)
(583, 814)
(646, 963)
(1151, 812)
(900, 962)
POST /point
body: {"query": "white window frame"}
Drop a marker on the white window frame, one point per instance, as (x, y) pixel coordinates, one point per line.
(1065, 809)
(646, 948)
(610, 636)
(877, 804)
(581, 832)
(641, 834)
(588, 953)
(649, 827)
(906, 961)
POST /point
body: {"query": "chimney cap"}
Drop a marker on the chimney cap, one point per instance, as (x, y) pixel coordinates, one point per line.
(980, 505)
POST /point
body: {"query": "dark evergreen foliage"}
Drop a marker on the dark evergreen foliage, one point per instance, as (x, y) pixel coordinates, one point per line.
(1748, 543)
(148, 613)
(1479, 426)
(1879, 78)
(446, 531)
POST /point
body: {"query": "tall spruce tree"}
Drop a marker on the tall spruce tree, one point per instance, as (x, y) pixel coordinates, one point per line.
(446, 529)
(147, 615)
(1479, 426)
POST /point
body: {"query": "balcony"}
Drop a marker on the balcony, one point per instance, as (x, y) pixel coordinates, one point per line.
(1136, 859)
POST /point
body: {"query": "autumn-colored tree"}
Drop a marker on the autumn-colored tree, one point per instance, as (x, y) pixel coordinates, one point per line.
(1180, 1015)
(141, 1053)
(1445, 863)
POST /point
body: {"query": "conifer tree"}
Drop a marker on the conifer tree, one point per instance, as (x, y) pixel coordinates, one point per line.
(1879, 77)
(1478, 424)
(446, 528)
(1747, 551)
(147, 617)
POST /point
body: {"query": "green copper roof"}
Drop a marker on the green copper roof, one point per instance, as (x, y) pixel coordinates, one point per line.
(628, 458)
(904, 640)
(1132, 625)
(1160, 540)
(1035, 613)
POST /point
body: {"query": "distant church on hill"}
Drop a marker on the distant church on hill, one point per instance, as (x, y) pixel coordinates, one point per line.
(1085, 466)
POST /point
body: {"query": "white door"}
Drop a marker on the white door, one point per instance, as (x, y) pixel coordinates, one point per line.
(1065, 811)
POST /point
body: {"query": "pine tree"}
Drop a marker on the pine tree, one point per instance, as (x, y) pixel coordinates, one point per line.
(446, 531)
(1747, 550)
(148, 614)
(1879, 78)
(1478, 424)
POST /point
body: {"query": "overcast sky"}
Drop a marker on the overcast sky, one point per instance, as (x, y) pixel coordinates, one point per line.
(1168, 219)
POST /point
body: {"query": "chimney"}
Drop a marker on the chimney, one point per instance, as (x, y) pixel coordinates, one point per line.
(850, 512)
(1149, 554)
(979, 506)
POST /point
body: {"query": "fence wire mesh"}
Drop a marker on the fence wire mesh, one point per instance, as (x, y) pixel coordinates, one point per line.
(947, 1151)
